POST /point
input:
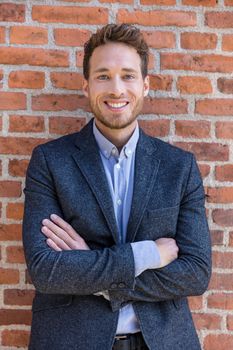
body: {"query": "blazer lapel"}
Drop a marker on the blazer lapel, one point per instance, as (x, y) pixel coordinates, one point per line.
(88, 160)
(146, 168)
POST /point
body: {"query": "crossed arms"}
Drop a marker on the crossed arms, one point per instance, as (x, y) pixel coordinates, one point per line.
(66, 265)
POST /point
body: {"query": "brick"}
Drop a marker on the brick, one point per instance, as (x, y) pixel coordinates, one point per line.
(53, 102)
(222, 260)
(2, 35)
(18, 338)
(224, 172)
(15, 254)
(227, 42)
(195, 303)
(207, 321)
(10, 188)
(65, 125)
(219, 19)
(160, 40)
(18, 296)
(71, 37)
(157, 18)
(223, 217)
(117, 1)
(204, 169)
(231, 239)
(222, 301)
(10, 232)
(165, 106)
(10, 316)
(230, 322)
(200, 2)
(70, 14)
(216, 237)
(193, 129)
(79, 59)
(28, 35)
(26, 123)
(14, 211)
(220, 194)
(206, 151)
(12, 100)
(215, 107)
(194, 85)
(19, 145)
(27, 277)
(26, 80)
(158, 2)
(18, 167)
(218, 342)
(161, 82)
(9, 276)
(224, 130)
(228, 2)
(67, 80)
(196, 62)
(221, 281)
(198, 41)
(12, 12)
(225, 85)
(155, 128)
(34, 57)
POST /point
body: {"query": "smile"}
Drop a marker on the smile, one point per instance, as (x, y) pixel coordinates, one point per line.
(118, 105)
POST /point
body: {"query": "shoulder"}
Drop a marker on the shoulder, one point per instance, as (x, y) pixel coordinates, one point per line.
(168, 151)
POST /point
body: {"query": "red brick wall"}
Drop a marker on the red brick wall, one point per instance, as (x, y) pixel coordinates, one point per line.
(190, 104)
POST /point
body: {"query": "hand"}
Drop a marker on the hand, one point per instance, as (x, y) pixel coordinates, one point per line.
(168, 250)
(61, 236)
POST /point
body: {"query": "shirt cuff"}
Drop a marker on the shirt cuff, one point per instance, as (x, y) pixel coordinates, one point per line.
(146, 256)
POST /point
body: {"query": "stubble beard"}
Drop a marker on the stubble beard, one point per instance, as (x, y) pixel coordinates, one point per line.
(115, 122)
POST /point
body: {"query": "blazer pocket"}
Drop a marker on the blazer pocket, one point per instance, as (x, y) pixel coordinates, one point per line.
(50, 301)
(158, 213)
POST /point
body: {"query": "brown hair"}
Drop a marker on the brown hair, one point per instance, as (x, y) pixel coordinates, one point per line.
(119, 33)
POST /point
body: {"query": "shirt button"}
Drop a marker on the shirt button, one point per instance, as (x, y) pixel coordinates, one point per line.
(113, 285)
(121, 285)
(114, 151)
(118, 166)
(119, 202)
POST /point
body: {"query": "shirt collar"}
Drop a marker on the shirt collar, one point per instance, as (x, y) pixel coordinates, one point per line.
(108, 149)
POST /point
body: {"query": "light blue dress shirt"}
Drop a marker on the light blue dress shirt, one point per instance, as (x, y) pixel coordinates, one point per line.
(119, 170)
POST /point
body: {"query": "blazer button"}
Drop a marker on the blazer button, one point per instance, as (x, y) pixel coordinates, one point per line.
(113, 285)
(121, 285)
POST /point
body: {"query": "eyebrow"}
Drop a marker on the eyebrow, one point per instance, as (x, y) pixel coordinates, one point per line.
(102, 70)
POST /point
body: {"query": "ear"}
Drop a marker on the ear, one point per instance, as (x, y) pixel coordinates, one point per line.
(85, 88)
(146, 85)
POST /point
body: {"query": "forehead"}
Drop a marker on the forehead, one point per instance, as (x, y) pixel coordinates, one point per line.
(115, 56)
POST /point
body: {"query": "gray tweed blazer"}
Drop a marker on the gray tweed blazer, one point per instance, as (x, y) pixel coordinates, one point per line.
(66, 177)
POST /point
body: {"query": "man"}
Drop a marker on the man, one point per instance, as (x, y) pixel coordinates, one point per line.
(107, 211)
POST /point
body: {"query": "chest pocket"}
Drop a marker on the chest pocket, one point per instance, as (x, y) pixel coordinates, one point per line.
(160, 222)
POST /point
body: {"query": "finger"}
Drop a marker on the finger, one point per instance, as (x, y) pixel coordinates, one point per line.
(59, 232)
(58, 241)
(65, 226)
(53, 245)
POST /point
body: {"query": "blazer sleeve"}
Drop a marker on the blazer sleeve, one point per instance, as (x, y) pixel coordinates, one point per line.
(67, 272)
(190, 273)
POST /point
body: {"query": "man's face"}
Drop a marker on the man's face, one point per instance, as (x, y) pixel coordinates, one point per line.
(115, 86)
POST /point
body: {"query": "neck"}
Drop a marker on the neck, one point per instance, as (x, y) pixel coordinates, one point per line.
(118, 137)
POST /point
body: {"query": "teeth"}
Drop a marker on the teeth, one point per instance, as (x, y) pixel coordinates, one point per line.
(117, 105)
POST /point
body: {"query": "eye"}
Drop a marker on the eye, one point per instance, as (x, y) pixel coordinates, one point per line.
(103, 77)
(129, 77)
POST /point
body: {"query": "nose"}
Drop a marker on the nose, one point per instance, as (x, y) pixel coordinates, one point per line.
(117, 87)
